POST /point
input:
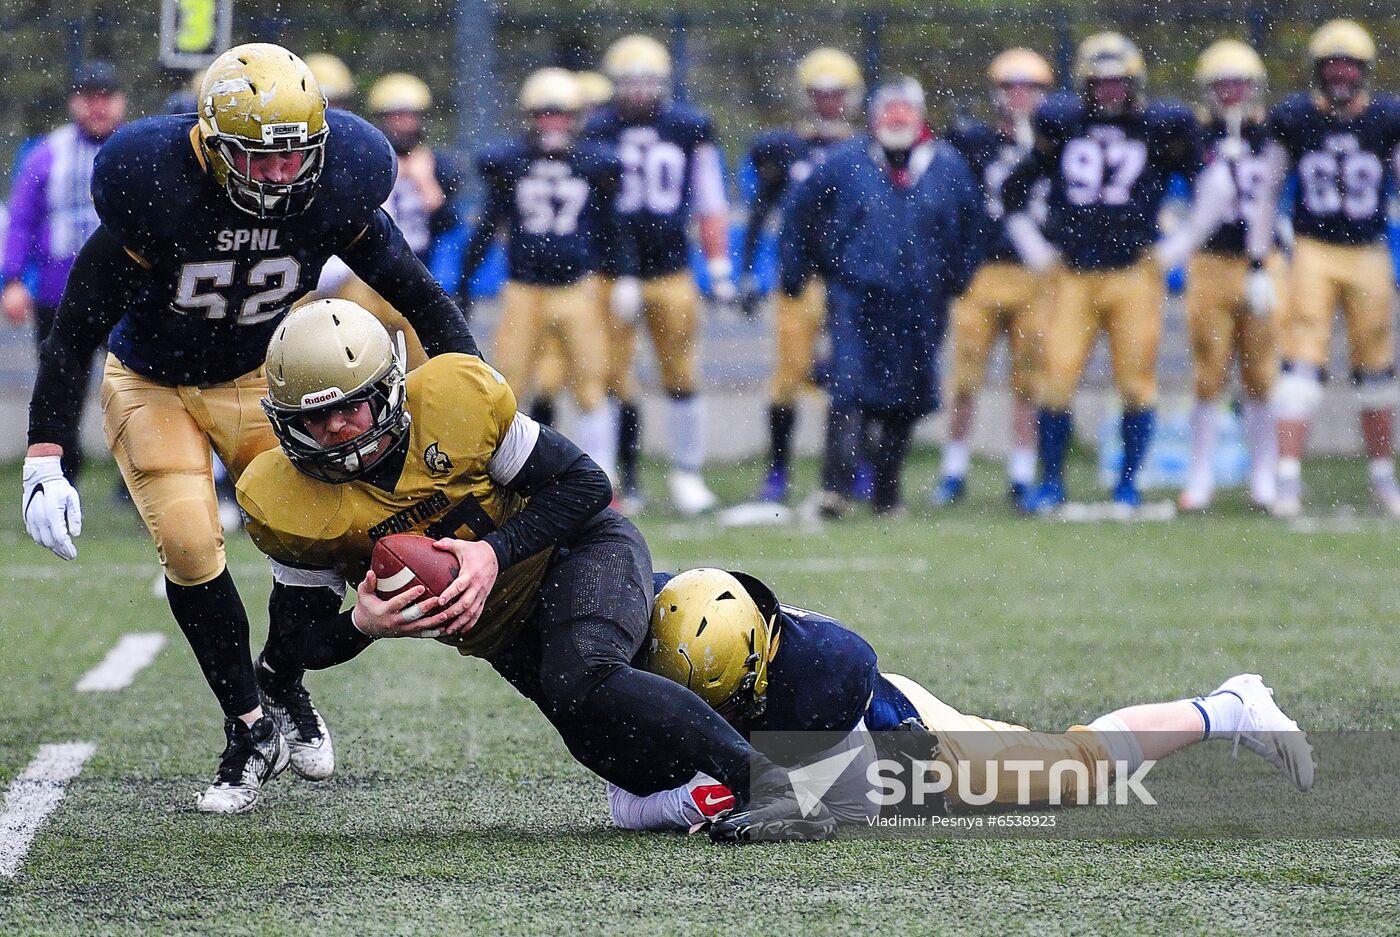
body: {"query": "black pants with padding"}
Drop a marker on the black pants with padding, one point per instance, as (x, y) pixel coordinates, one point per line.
(633, 728)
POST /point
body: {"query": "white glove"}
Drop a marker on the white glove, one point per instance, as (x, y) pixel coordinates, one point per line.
(722, 281)
(52, 513)
(1259, 293)
(625, 303)
(1036, 253)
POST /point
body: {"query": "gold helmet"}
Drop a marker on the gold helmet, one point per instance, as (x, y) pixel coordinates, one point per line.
(1229, 60)
(1021, 67)
(259, 98)
(1341, 39)
(328, 354)
(637, 56)
(332, 75)
(640, 70)
(1109, 57)
(708, 633)
(827, 69)
(551, 90)
(399, 91)
(594, 88)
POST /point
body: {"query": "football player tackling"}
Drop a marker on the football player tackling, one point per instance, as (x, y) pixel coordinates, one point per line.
(211, 229)
(554, 589)
(775, 668)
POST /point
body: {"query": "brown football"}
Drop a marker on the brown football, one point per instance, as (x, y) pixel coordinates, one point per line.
(402, 561)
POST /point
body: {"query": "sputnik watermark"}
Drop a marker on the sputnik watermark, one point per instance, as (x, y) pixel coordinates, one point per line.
(1037, 783)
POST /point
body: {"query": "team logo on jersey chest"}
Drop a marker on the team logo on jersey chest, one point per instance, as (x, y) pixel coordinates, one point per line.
(255, 239)
(436, 460)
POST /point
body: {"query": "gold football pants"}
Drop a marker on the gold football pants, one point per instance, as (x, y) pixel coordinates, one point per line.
(160, 436)
(983, 747)
(569, 315)
(1124, 304)
(1222, 328)
(671, 311)
(1003, 298)
(1360, 279)
(797, 323)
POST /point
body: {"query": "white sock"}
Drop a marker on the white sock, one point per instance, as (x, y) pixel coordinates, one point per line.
(1120, 741)
(1205, 429)
(957, 456)
(1261, 435)
(688, 433)
(1020, 465)
(1221, 711)
(596, 434)
(1382, 472)
(1290, 469)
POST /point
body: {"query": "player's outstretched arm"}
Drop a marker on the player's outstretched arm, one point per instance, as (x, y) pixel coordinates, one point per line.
(103, 280)
(383, 259)
(1210, 207)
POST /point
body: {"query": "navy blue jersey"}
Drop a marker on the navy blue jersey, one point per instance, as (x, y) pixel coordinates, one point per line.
(1108, 175)
(222, 279)
(781, 158)
(1343, 166)
(559, 211)
(1251, 174)
(992, 155)
(820, 680)
(658, 158)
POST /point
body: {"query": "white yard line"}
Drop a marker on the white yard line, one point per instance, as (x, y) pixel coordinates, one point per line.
(132, 654)
(34, 795)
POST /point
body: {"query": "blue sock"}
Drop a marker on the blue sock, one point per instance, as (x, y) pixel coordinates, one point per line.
(1054, 427)
(1137, 435)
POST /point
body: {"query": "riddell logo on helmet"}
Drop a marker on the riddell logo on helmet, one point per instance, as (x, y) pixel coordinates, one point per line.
(321, 396)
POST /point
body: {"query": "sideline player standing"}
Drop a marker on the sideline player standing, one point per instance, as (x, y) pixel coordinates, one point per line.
(211, 229)
(832, 88)
(1005, 296)
(1342, 144)
(671, 170)
(1108, 156)
(51, 211)
(1230, 295)
(556, 198)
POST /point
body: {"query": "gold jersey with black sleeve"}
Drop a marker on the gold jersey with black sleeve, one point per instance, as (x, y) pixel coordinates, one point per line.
(462, 417)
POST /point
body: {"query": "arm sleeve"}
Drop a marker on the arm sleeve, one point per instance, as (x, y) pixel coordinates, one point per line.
(616, 245)
(449, 179)
(384, 260)
(707, 182)
(306, 628)
(801, 208)
(104, 278)
(26, 208)
(565, 488)
(1260, 225)
(493, 216)
(1016, 190)
(771, 182)
(1215, 193)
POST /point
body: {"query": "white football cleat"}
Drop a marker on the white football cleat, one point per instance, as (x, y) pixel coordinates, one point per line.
(288, 705)
(1268, 732)
(1191, 501)
(1288, 500)
(254, 755)
(689, 493)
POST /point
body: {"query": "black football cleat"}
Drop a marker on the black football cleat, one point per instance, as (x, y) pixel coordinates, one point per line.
(773, 815)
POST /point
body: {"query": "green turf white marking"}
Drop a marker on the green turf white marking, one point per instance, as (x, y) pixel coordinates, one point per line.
(33, 796)
(131, 655)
